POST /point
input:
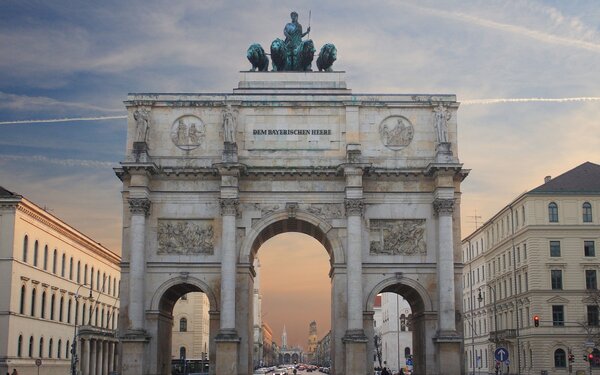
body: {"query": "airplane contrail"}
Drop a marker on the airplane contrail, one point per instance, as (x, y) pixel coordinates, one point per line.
(528, 100)
(65, 162)
(68, 119)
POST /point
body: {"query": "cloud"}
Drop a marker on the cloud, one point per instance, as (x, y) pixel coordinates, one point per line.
(27, 103)
(63, 162)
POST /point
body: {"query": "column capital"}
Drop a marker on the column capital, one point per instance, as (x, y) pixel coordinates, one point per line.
(354, 206)
(229, 206)
(139, 206)
(443, 206)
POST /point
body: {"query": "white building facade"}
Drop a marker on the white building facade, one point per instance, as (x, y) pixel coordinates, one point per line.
(394, 328)
(536, 257)
(58, 286)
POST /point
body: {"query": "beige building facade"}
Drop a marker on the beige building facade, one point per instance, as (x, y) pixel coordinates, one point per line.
(208, 178)
(536, 257)
(192, 323)
(58, 287)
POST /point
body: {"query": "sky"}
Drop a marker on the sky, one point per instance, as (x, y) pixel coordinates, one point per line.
(526, 73)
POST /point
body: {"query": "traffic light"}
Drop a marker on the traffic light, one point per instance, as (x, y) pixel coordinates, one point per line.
(536, 320)
(590, 357)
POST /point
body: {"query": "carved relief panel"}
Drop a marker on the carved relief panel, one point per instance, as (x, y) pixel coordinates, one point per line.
(397, 237)
(185, 237)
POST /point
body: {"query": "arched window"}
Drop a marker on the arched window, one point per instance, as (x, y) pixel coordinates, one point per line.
(25, 246)
(587, 212)
(102, 318)
(45, 257)
(67, 348)
(85, 274)
(63, 265)
(33, 302)
(409, 322)
(96, 317)
(54, 260)
(109, 290)
(59, 349)
(553, 212)
(70, 305)
(41, 348)
(60, 309)
(52, 303)
(182, 352)
(22, 304)
(78, 272)
(43, 306)
(98, 286)
(71, 268)
(76, 311)
(92, 278)
(402, 322)
(406, 352)
(35, 253)
(183, 325)
(90, 316)
(50, 349)
(30, 346)
(103, 282)
(20, 346)
(560, 359)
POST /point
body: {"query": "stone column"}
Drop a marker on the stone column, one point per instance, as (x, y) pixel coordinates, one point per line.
(92, 370)
(100, 361)
(86, 356)
(227, 340)
(111, 357)
(105, 356)
(445, 266)
(140, 209)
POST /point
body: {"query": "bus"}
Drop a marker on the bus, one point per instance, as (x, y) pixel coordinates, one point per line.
(189, 366)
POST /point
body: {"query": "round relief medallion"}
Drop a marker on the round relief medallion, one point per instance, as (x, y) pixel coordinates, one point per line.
(187, 132)
(396, 132)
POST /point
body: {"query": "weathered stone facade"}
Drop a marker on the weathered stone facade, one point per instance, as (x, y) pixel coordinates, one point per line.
(293, 152)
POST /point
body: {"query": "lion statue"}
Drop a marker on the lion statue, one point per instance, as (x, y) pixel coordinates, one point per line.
(326, 57)
(279, 55)
(304, 56)
(257, 57)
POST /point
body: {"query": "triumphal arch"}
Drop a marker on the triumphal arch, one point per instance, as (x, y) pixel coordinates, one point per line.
(208, 178)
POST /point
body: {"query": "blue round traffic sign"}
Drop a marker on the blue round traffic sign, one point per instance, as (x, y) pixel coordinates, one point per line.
(501, 354)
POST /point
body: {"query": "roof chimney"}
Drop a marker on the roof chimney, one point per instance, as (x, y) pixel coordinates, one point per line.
(547, 179)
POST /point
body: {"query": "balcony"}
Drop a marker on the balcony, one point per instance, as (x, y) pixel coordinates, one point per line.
(503, 334)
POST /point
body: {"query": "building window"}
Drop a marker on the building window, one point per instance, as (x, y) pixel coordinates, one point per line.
(41, 348)
(32, 303)
(92, 278)
(70, 305)
(35, 253)
(78, 272)
(30, 346)
(182, 352)
(554, 248)
(43, 307)
(22, 304)
(553, 212)
(590, 280)
(54, 260)
(558, 315)
(556, 277)
(560, 359)
(45, 257)
(587, 212)
(20, 346)
(60, 309)
(85, 274)
(59, 349)
(63, 265)
(67, 348)
(71, 268)
(183, 325)
(403, 322)
(589, 248)
(592, 315)
(52, 300)
(25, 246)
(50, 349)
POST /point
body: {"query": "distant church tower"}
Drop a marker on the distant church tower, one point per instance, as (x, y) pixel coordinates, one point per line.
(284, 338)
(312, 340)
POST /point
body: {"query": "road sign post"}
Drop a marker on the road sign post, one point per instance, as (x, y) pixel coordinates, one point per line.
(38, 363)
(501, 354)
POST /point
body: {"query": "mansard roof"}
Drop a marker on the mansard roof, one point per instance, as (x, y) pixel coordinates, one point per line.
(584, 178)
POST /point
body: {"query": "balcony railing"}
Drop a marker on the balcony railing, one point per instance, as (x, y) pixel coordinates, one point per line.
(503, 334)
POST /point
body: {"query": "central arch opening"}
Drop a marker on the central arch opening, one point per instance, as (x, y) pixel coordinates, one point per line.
(292, 313)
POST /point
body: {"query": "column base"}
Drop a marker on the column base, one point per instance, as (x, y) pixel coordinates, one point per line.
(133, 346)
(355, 347)
(227, 342)
(448, 352)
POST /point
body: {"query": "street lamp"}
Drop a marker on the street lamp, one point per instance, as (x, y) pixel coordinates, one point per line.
(74, 343)
(480, 298)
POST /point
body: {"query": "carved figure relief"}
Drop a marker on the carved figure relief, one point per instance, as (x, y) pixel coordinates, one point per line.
(142, 124)
(185, 237)
(229, 124)
(397, 237)
(441, 115)
(188, 132)
(266, 210)
(396, 132)
(326, 210)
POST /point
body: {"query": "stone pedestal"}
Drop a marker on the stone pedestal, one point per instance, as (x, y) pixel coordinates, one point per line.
(449, 353)
(227, 342)
(355, 343)
(132, 353)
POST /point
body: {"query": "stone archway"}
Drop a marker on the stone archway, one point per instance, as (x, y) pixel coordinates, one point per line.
(375, 178)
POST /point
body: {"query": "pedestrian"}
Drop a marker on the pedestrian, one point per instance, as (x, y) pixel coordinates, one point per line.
(385, 371)
(15, 372)
(401, 371)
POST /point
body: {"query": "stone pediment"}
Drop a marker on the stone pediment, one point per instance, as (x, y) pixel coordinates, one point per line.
(557, 299)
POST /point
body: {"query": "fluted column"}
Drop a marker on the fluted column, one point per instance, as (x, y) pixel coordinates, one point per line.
(444, 209)
(229, 207)
(140, 209)
(354, 212)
